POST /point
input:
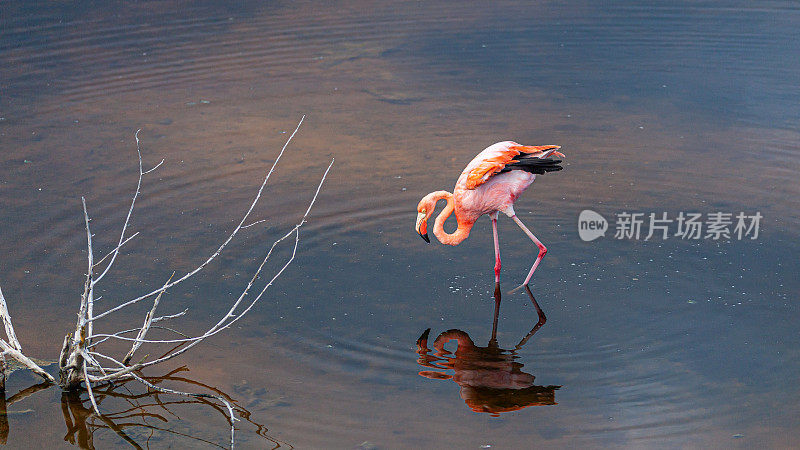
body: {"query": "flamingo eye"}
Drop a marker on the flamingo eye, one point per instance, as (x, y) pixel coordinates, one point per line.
(423, 211)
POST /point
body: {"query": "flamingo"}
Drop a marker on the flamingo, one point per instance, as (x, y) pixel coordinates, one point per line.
(490, 184)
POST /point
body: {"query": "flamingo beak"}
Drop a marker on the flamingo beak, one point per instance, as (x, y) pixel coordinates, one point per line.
(422, 227)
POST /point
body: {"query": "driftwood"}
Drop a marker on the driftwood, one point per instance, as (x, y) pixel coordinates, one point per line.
(82, 365)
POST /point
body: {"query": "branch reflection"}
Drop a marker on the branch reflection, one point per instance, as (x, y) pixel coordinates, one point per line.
(490, 377)
(141, 418)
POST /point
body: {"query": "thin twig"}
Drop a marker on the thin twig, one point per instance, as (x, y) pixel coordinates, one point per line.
(170, 316)
(254, 223)
(100, 261)
(131, 330)
(224, 243)
(230, 317)
(148, 320)
(115, 252)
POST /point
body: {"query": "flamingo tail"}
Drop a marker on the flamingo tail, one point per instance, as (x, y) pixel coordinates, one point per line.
(534, 165)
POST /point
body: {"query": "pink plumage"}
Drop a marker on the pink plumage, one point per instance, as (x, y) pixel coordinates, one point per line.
(490, 184)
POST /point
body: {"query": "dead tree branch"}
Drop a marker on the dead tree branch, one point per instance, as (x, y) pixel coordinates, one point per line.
(13, 348)
(81, 361)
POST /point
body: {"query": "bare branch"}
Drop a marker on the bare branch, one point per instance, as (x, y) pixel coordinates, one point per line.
(131, 330)
(13, 348)
(230, 317)
(254, 223)
(118, 374)
(64, 355)
(148, 320)
(224, 243)
(88, 295)
(115, 252)
(12, 337)
(234, 317)
(154, 167)
(80, 326)
(89, 389)
(170, 316)
(100, 261)
(81, 362)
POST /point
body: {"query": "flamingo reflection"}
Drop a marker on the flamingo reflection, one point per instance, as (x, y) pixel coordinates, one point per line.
(490, 377)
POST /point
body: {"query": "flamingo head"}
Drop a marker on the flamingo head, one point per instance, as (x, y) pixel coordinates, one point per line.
(424, 211)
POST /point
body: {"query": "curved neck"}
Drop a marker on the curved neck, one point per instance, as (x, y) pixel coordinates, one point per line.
(438, 226)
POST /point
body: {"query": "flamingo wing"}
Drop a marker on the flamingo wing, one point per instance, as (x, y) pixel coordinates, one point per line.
(513, 157)
(533, 165)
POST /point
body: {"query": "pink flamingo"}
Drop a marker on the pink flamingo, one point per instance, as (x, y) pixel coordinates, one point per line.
(490, 184)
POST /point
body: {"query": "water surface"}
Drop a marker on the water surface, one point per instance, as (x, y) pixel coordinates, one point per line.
(659, 107)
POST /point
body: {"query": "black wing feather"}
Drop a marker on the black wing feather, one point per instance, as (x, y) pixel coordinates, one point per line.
(533, 165)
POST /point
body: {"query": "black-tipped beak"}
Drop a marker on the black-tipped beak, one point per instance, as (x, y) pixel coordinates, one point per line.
(421, 227)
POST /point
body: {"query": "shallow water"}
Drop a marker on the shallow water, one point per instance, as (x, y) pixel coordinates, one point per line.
(685, 107)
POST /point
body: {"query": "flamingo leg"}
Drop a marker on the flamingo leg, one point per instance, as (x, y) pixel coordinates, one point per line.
(496, 248)
(542, 248)
(497, 297)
